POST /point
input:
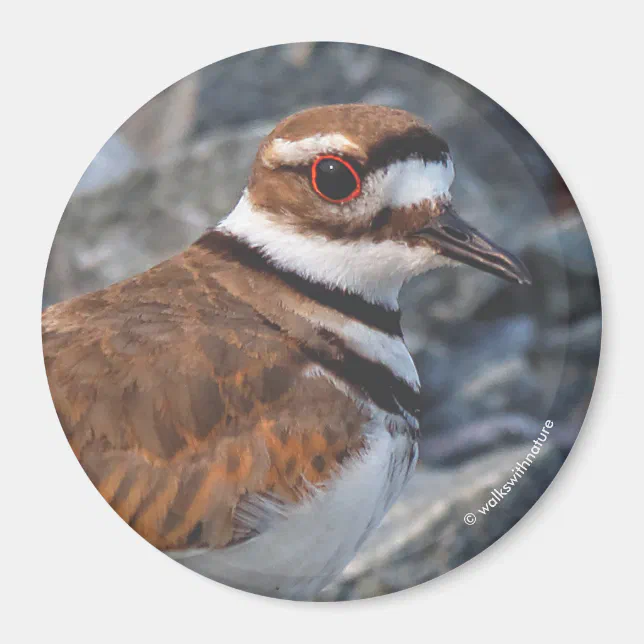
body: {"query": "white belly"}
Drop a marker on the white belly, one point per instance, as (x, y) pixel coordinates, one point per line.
(300, 553)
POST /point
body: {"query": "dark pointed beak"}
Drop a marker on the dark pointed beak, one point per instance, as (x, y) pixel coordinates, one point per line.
(454, 238)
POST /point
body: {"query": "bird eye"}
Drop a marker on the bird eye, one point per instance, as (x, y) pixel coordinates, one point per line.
(335, 179)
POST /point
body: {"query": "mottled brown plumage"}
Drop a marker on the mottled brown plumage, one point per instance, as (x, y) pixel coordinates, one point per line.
(182, 401)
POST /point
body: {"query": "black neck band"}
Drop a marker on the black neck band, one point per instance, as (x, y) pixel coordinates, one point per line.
(350, 304)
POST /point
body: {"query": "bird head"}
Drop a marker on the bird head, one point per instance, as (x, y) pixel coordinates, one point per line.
(358, 197)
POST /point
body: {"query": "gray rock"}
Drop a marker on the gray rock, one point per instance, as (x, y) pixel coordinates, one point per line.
(154, 212)
(114, 161)
(477, 370)
(460, 444)
(566, 241)
(490, 388)
(579, 340)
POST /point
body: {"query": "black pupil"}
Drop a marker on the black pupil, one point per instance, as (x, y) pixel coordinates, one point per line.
(334, 180)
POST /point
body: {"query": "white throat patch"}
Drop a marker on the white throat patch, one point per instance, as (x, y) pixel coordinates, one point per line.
(374, 270)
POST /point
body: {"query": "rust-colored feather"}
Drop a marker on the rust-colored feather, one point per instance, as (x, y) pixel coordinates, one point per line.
(185, 398)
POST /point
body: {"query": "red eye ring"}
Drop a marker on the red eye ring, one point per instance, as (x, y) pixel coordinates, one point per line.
(314, 178)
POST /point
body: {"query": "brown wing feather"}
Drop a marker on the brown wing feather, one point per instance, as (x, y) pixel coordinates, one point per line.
(183, 404)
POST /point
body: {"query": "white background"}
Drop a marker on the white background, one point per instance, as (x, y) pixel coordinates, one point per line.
(73, 72)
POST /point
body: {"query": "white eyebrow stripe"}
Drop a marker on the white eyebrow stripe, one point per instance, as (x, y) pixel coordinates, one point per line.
(413, 181)
(285, 152)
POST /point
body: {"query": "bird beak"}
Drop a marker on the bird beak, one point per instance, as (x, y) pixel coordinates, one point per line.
(454, 238)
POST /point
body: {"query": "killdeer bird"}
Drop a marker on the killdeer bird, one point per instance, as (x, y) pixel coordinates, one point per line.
(249, 406)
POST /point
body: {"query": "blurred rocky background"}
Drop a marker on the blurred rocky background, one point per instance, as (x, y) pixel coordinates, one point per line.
(496, 360)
